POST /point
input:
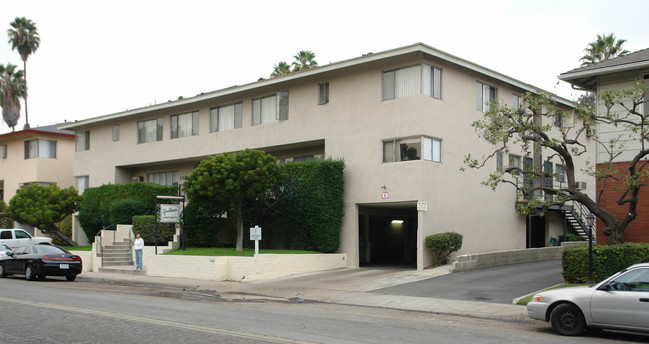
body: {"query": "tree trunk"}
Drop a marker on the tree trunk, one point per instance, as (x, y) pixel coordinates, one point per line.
(239, 207)
(25, 82)
(61, 236)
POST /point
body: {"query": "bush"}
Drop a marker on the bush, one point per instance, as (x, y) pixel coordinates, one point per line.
(145, 225)
(94, 209)
(122, 212)
(5, 220)
(202, 224)
(570, 237)
(443, 244)
(607, 260)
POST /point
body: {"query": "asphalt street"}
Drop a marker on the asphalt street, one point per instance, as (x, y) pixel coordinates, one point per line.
(499, 285)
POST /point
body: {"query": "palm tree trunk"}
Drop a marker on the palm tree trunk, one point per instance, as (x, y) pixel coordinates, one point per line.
(25, 81)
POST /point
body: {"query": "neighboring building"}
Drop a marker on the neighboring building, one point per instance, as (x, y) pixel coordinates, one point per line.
(401, 120)
(617, 74)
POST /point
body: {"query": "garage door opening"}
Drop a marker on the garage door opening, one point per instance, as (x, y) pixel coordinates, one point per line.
(387, 236)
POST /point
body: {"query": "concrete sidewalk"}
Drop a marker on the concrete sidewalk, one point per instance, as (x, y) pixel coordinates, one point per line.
(342, 286)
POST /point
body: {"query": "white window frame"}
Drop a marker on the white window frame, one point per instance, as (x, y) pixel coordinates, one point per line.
(412, 81)
(82, 141)
(226, 117)
(323, 93)
(517, 100)
(485, 91)
(40, 148)
(81, 183)
(516, 158)
(270, 108)
(154, 126)
(430, 149)
(500, 167)
(115, 132)
(3, 151)
(184, 125)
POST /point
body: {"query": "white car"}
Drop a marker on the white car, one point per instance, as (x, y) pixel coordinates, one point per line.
(16, 237)
(620, 302)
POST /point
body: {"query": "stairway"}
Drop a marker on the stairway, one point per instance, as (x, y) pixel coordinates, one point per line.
(118, 258)
(577, 222)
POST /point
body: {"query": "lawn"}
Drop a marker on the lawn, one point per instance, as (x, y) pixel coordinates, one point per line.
(524, 301)
(230, 251)
(78, 248)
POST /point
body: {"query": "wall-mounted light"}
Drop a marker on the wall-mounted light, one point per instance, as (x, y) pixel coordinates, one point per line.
(397, 222)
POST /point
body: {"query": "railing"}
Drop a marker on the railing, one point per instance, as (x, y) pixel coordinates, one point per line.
(99, 244)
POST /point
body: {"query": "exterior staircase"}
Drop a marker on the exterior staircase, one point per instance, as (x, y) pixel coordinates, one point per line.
(118, 258)
(577, 218)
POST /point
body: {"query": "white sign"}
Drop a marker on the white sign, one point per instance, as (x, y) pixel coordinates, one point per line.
(255, 233)
(422, 206)
(169, 213)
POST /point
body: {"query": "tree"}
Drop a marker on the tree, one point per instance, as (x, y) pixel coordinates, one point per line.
(604, 48)
(233, 177)
(281, 68)
(24, 36)
(11, 90)
(43, 206)
(305, 59)
(527, 127)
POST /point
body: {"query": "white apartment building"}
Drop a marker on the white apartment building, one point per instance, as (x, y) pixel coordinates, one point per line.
(401, 120)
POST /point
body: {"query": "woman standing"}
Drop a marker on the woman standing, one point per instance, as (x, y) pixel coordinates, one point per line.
(138, 247)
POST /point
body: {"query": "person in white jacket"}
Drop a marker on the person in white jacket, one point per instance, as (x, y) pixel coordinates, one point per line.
(138, 247)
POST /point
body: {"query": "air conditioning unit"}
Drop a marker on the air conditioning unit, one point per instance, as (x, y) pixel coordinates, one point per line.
(137, 179)
(580, 185)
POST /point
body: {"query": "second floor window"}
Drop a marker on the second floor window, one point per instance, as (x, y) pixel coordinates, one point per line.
(3, 151)
(226, 117)
(270, 109)
(149, 131)
(81, 183)
(323, 93)
(415, 148)
(184, 125)
(40, 149)
(116, 132)
(407, 82)
(82, 141)
(485, 94)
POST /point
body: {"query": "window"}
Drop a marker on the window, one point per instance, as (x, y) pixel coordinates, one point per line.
(81, 183)
(82, 141)
(3, 151)
(514, 161)
(184, 125)
(21, 235)
(226, 117)
(40, 149)
(645, 105)
(270, 109)
(634, 280)
(485, 94)
(116, 132)
(163, 178)
(516, 100)
(407, 82)
(149, 131)
(499, 161)
(414, 148)
(323, 93)
(561, 173)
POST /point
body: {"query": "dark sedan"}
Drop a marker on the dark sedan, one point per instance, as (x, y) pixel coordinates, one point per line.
(39, 261)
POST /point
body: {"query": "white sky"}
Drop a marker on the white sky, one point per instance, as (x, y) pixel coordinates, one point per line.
(98, 58)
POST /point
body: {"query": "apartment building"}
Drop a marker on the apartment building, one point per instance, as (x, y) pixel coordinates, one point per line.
(617, 74)
(401, 120)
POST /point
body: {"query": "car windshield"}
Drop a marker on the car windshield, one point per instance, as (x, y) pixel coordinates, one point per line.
(48, 249)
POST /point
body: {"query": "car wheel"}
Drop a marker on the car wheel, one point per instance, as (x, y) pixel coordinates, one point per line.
(29, 273)
(71, 277)
(568, 320)
(3, 274)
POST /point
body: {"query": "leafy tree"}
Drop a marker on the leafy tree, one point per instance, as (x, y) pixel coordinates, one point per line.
(5, 220)
(233, 177)
(11, 90)
(43, 206)
(24, 37)
(604, 48)
(281, 68)
(527, 127)
(305, 59)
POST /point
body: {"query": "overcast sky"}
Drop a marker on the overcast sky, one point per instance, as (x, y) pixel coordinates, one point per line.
(98, 58)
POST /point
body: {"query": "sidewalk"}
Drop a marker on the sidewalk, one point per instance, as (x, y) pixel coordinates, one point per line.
(342, 286)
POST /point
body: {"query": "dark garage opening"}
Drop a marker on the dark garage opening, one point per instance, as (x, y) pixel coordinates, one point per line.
(387, 236)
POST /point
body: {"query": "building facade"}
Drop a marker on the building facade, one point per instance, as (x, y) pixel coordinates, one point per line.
(615, 75)
(400, 119)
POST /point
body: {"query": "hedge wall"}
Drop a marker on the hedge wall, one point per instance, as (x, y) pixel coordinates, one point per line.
(145, 225)
(95, 206)
(607, 260)
(202, 224)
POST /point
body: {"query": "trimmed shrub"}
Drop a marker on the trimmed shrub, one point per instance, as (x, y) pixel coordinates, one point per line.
(202, 224)
(94, 209)
(571, 237)
(122, 212)
(145, 225)
(443, 244)
(607, 260)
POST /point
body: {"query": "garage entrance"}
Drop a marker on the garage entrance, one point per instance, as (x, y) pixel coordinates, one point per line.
(387, 235)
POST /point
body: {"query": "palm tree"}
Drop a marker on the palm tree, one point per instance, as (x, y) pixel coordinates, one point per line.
(304, 60)
(12, 88)
(24, 37)
(281, 68)
(604, 48)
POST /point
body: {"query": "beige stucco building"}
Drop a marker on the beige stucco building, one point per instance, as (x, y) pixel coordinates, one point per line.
(401, 120)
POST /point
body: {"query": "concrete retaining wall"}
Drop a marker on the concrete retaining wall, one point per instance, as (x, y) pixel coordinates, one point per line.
(492, 259)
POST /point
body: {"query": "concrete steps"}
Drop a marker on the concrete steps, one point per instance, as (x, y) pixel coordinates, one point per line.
(119, 254)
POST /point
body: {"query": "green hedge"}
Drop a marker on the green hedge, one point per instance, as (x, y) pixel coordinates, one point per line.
(443, 244)
(202, 224)
(122, 211)
(145, 225)
(607, 260)
(94, 209)
(5, 220)
(570, 237)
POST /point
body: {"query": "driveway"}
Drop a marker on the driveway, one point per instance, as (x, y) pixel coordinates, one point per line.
(498, 285)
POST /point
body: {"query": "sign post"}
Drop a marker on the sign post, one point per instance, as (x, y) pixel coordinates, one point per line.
(255, 234)
(169, 213)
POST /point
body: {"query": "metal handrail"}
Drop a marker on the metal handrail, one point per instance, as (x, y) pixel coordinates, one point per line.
(100, 249)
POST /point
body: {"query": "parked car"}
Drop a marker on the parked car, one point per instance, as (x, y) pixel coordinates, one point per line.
(620, 302)
(16, 237)
(4, 249)
(39, 261)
